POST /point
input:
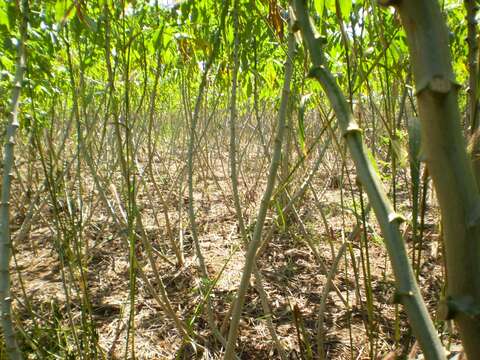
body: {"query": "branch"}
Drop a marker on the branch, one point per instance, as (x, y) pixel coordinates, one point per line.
(407, 290)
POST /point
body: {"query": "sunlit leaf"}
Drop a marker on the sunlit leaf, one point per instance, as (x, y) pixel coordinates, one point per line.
(4, 20)
(345, 8)
(270, 74)
(319, 6)
(63, 10)
(330, 5)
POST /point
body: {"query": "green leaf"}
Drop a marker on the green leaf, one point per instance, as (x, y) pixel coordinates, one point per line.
(6, 62)
(281, 221)
(157, 38)
(270, 74)
(63, 8)
(92, 24)
(4, 15)
(330, 5)
(319, 6)
(166, 38)
(168, 57)
(345, 8)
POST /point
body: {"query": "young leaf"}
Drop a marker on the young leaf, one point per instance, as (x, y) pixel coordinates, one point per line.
(345, 8)
(4, 15)
(330, 5)
(319, 6)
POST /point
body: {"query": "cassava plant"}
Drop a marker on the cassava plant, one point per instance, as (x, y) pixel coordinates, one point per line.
(446, 159)
(448, 163)
(12, 348)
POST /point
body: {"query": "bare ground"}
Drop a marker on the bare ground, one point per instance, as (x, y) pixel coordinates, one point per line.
(293, 279)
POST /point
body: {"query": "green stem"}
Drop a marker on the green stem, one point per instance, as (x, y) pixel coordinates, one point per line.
(264, 205)
(13, 350)
(448, 163)
(407, 289)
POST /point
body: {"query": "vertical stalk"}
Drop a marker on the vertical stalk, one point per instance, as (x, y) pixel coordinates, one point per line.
(234, 181)
(448, 163)
(264, 205)
(77, 224)
(177, 248)
(472, 8)
(407, 289)
(13, 350)
(414, 152)
(423, 212)
(193, 137)
(190, 168)
(233, 122)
